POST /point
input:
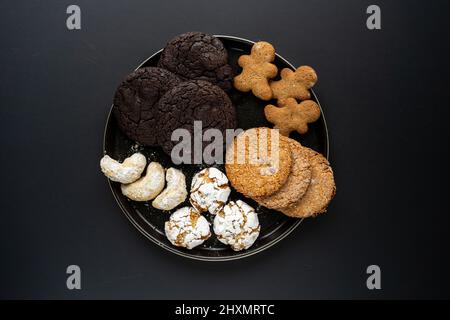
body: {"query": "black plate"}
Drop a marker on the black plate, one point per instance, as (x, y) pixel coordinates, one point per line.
(150, 221)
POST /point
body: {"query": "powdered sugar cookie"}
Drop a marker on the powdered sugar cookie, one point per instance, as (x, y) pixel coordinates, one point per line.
(187, 228)
(237, 225)
(209, 190)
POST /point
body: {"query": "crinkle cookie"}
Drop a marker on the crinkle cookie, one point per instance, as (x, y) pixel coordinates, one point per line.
(209, 190)
(187, 228)
(190, 101)
(297, 182)
(320, 191)
(237, 225)
(135, 102)
(198, 56)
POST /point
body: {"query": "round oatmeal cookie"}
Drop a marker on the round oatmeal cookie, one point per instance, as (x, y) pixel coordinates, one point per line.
(297, 182)
(198, 56)
(320, 191)
(256, 164)
(190, 101)
(135, 102)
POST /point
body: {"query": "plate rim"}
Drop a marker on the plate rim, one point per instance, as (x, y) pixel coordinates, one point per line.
(244, 253)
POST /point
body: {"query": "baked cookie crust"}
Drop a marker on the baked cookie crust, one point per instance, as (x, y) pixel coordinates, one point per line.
(297, 182)
(254, 165)
(320, 192)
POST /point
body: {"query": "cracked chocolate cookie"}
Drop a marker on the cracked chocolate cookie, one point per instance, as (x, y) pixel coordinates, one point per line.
(198, 56)
(135, 102)
(190, 101)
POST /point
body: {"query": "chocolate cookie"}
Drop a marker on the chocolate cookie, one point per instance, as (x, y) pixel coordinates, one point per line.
(190, 101)
(135, 102)
(198, 56)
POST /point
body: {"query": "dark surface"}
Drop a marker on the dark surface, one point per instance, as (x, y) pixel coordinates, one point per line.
(246, 111)
(386, 99)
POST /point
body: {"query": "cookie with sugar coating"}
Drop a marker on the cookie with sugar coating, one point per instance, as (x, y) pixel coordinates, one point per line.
(209, 190)
(237, 225)
(187, 228)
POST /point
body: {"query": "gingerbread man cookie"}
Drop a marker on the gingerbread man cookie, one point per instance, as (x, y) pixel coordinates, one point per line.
(294, 84)
(292, 116)
(256, 70)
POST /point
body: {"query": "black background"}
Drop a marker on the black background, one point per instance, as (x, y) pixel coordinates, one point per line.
(385, 96)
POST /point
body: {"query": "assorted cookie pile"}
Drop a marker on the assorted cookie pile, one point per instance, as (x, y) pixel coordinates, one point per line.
(263, 164)
(235, 223)
(258, 69)
(150, 186)
(188, 85)
(294, 180)
(289, 178)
